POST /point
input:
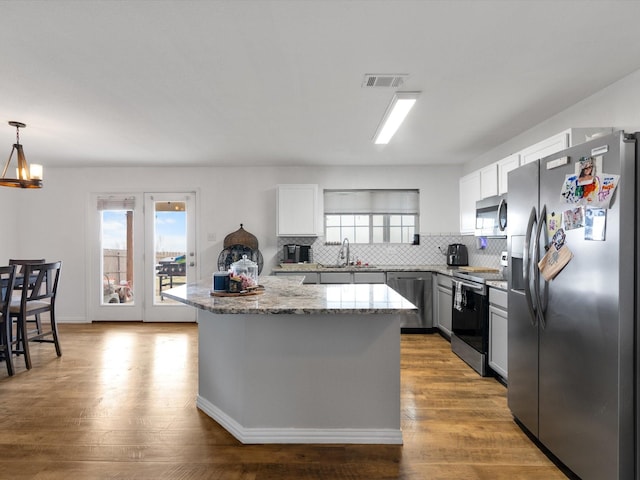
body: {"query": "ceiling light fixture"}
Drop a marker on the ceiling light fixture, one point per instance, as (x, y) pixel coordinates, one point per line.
(26, 177)
(393, 117)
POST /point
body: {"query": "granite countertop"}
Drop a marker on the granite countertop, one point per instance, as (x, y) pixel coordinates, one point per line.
(316, 267)
(287, 295)
(501, 284)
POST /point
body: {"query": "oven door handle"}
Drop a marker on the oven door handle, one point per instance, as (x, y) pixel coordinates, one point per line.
(472, 286)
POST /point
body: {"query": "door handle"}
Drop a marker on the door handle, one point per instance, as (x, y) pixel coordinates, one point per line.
(536, 247)
(526, 267)
(470, 285)
(501, 227)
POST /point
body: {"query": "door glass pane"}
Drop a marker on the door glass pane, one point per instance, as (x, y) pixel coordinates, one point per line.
(170, 247)
(117, 257)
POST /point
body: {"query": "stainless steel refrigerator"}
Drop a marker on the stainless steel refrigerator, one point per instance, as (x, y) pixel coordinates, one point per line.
(572, 339)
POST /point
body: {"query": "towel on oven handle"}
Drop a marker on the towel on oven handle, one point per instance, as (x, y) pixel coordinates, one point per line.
(459, 296)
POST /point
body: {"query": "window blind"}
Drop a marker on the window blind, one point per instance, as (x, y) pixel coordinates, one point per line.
(116, 202)
(356, 202)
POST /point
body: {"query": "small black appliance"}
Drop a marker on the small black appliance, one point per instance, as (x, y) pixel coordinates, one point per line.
(457, 255)
(292, 253)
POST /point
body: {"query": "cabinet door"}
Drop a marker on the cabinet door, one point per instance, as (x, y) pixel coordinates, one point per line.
(469, 195)
(544, 148)
(335, 277)
(445, 305)
(297, 213)
(504, 167)
(489, 181)
(498, 340)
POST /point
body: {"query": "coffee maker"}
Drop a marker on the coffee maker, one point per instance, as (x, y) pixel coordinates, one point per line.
(457, 255)
(292, 253)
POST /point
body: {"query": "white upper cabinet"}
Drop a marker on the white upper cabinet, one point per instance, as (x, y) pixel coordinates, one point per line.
(297, 210)
(565, 139)
(489, 181)
(504, 167)
(469, 195)
(546, 147)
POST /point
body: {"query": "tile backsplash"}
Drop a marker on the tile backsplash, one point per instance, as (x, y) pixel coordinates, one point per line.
(431, 251)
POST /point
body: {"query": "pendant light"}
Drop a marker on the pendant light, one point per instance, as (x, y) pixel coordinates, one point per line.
(26, 177)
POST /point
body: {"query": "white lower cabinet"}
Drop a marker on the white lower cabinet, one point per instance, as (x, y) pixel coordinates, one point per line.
(443, 303)
(498, 319)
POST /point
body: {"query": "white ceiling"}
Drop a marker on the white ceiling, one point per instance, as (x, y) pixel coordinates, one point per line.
(258, 82)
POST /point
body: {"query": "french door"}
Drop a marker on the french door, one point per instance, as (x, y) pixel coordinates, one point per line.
(142, 244)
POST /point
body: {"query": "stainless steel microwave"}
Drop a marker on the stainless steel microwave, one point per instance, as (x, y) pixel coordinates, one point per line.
(491, 217)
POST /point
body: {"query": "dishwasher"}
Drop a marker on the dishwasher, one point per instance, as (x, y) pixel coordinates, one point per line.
(415, 287)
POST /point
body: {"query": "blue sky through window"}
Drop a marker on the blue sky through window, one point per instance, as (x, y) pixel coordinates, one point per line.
(171, 228)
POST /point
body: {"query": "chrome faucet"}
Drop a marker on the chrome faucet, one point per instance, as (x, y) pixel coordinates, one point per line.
(341, 254)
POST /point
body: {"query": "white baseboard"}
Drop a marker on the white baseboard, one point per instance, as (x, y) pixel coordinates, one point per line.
(74, 319)
(299, 435)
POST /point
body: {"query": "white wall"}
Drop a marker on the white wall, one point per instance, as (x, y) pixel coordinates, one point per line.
(10, 198)
(52, 222)
(616, 106)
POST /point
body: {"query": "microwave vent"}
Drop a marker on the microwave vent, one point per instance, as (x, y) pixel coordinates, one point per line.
(379, 80)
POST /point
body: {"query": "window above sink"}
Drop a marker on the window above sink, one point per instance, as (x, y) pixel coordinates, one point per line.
(371, 216)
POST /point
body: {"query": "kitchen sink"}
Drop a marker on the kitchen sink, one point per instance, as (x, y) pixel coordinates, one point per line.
(350, 267)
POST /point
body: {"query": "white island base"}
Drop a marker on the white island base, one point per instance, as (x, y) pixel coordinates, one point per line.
(299, 378)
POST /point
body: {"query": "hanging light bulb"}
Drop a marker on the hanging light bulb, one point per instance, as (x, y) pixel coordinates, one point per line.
(26, 177)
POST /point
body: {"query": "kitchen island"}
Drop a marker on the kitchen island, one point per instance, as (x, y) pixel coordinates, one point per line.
(300, 363)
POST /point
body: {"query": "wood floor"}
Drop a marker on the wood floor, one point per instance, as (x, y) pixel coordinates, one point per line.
(120, 404)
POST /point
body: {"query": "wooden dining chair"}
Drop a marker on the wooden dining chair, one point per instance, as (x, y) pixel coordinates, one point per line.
(20, 263)
(39, 296)
(7, 283)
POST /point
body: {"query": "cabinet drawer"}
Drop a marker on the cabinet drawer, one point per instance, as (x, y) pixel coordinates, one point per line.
(445, 281)
(335, 277)
(498, 297)
(369, 277)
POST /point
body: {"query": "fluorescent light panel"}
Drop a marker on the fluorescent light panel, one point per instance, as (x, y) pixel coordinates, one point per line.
(396, 112)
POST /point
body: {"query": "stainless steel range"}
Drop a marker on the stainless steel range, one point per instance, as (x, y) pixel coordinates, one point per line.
(470, 318)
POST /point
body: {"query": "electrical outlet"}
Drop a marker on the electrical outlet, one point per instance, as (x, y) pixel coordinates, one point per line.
(212, 237)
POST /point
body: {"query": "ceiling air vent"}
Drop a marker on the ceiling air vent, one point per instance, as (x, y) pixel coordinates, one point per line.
(384, 80)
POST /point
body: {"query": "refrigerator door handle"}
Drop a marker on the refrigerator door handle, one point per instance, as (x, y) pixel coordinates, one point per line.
(536, 279)
(502, 225)
(526, 267)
